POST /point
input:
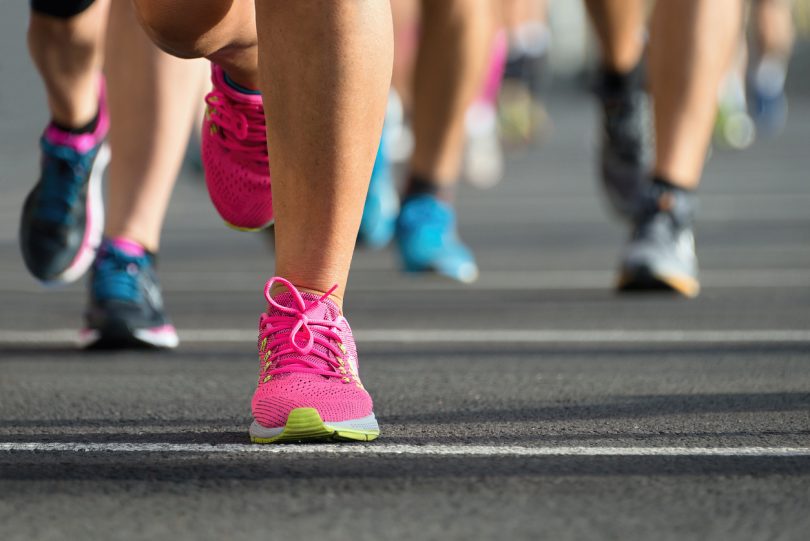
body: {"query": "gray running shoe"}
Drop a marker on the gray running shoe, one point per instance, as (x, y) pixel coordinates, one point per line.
(627, 148)
(661, 252)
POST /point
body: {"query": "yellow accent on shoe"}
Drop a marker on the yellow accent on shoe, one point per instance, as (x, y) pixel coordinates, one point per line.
(305, 424)
(250, 229)
(685, 285)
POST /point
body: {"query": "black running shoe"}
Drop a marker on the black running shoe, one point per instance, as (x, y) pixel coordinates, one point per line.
(126, 306)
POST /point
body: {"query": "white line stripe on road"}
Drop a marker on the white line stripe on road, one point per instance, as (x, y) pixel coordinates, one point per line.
(578, 336)
(467, 336)
(403, 449)
(385, 279)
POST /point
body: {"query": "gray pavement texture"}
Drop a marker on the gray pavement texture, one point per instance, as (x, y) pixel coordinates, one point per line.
(547, 250)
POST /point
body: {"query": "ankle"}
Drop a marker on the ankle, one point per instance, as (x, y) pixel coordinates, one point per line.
(664, 183)
(614, 82)
(278, 289)
(78, 129)
(424, 185)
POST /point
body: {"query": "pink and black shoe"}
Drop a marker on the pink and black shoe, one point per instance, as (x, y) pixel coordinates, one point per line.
(309, 387)
(63, 216)
(234, 154)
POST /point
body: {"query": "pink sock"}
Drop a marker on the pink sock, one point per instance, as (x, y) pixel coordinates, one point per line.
(129, 247)
(497, 64)
(83, 142)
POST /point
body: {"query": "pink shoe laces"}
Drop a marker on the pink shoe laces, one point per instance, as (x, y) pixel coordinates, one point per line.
(241, 127)
(293, 341)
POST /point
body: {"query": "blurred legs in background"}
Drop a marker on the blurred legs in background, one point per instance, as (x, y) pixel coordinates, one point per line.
(691, 46)
(626, 146)
(483, 155)
(772, 44)
(454, 47)
(447, 75)
(522, 116)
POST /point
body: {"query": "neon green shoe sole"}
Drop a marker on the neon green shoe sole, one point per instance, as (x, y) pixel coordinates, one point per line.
(306, 425)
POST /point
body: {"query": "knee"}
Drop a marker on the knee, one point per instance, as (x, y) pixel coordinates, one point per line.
(183, 28)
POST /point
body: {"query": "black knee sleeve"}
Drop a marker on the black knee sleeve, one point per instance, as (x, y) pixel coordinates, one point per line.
(62, 9)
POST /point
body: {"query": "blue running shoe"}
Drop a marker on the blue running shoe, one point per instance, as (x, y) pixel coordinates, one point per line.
(428, 240)
(766, 87)
(126, 306)
(770, 112)
(63, 216)
(382, 203)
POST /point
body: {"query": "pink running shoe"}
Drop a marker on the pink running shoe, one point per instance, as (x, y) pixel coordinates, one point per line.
(234, 155)
(309, 388)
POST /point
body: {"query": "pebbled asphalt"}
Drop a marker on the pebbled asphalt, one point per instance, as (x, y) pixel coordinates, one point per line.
(547, 250)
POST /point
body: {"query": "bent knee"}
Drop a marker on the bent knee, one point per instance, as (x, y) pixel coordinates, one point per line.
(185, 28)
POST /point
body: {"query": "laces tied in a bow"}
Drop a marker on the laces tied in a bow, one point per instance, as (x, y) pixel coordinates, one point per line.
(300, 312)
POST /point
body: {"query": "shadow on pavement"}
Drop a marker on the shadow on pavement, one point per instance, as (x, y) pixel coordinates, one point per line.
(203, 468)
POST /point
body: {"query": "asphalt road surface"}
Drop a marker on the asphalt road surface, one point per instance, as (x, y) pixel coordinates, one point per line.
(534, 404)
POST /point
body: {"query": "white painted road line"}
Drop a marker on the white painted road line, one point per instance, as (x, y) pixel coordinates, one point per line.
(468, 336)
(385, 279)
(403, 449)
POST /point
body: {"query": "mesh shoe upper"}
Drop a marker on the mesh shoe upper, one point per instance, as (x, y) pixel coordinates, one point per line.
(308, 359)
(234, 155)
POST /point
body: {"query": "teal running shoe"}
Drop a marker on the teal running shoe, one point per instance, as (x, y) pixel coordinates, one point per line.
(428, 240)
(63, 215)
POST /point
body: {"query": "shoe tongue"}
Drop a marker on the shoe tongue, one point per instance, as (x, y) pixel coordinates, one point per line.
(325, 309)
